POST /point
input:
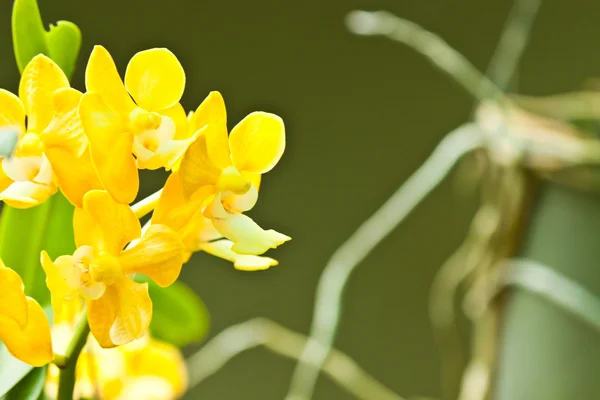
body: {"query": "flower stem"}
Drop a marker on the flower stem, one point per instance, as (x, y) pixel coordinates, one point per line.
(66, 380)
(145, 206)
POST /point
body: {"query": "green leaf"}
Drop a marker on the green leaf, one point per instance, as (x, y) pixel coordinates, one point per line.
(30, 387)
(29, 36)
(61, 43)
(22, 234)
(64, 42)
(12, 370)
(179, 316)
(59, 236)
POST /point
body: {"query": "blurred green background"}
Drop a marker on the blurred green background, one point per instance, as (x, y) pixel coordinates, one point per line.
(361, 114)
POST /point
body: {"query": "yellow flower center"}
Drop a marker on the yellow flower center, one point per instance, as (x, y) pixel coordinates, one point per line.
(231, 180)
(150, 143)
(141, 121)
(106, 269)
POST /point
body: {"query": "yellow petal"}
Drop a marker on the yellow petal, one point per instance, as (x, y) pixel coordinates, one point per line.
(102, 77)
(12, 112)
(31, 344)
(87, 231)
(154, 360)
(247, 236)
(110, 147)
(177, 115)
(257, 142)
(184, 215)
(62, 280)
(117, 222)
(196, 168)
(155, 79)
(73, 182)
(158, 255)
(211, 117)
(222, 249)
(241, 203)
(65, 129)
(166, 155)
(26, 194)
(40, 79)
(122, 314)
(12, 297)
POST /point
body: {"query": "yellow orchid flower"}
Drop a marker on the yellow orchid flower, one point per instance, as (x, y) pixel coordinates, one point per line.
(153, 125)
(119, 309)
(26, 178)
(51, 143)
(66, 147)
(143, 369)
(185, 216)
(24, 328)
(232, 166)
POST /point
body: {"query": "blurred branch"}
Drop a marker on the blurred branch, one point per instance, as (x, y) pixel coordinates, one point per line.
(539, 279)
(263, 332)
(433, 47)
(565, 106)
(348, 256)
(513, 41)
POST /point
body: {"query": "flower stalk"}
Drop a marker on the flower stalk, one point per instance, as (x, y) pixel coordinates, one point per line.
(68, 362)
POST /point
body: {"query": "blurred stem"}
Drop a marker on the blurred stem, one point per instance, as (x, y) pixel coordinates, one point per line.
(263, 332)
(68, 363)
(349, 255)
(145, 206)
(433, 47)
(512, 43)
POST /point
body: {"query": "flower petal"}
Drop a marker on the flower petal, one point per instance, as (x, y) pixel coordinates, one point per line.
(117, 222)
(40, 79)
(158, 255)
(31, 344)
(102, 77)
(26, 194)
(196, 168)
(12, 112)
(73, 182)
(154, 361)
(211, 117)
(222, 249)
(62, 281)
(257, 142)
(65, 129)
(87, 231)
(184, 215)
(247, 236)
(110, 147)
(12, 296)
(122, 314)
(155, 79)
(178, 116)
(241, 203)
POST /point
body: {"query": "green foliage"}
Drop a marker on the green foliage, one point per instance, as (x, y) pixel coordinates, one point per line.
(22, 234)
(64, 42)
(61, 43)
(30, 387)
(178, 315)
(12, 371)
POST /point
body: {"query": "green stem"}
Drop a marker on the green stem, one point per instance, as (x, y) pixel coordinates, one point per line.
(68, 363)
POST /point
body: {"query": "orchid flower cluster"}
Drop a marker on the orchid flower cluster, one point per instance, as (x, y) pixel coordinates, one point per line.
(90, 146)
